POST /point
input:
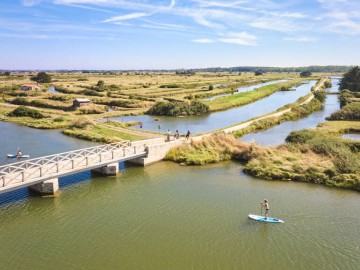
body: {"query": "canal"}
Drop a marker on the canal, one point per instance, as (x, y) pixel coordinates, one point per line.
(276, 135)
(217, 120)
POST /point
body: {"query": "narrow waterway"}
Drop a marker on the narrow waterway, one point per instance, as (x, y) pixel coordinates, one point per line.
(352, 136)
(276, 135)
(217, 120)
(247, 88)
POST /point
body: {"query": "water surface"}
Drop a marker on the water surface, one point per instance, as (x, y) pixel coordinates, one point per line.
(277, 134)
(352, 136)
(35, 142)
(217, 120)
(247, 88)
(167, 216)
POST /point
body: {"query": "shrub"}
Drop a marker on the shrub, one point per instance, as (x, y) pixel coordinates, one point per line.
(169, 86)
(82, 123)
(27, 112)
(350, 111)
(328, 84)
(178, 108)
(320, 95)
(305, 74)
(300, 136)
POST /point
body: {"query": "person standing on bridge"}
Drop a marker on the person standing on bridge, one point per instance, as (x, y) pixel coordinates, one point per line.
(168, 134)
(176, 135)
(187, 136)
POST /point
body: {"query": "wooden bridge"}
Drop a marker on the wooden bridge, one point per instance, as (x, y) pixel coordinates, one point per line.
(40, 173)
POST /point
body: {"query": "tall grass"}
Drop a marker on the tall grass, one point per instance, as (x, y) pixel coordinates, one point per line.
(227, 102)
(330, 161)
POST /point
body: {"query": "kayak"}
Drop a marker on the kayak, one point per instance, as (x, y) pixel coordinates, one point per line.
(262, 219)
(16, 156)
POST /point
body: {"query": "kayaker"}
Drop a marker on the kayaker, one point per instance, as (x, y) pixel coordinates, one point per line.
(265, 204)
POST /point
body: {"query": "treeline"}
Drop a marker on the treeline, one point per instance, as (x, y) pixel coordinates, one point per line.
(274, 69)
(212, 69)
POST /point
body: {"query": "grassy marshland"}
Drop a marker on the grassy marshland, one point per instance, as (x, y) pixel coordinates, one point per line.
(87, 129)
(311, 156)
(297, 111)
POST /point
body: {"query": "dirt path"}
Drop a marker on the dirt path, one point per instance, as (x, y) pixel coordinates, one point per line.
(248, 123)
(144, 134)
(227, 130)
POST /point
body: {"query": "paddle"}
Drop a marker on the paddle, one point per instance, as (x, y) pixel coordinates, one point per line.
(261, 207)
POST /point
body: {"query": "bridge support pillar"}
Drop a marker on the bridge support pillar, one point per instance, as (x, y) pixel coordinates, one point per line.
(48, 187)
(110, 169)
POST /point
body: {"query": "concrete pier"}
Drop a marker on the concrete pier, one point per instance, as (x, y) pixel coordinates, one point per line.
(110, 169)
(48, 187)
(156, 150)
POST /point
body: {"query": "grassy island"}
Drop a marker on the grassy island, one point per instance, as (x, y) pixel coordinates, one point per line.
(308, 156)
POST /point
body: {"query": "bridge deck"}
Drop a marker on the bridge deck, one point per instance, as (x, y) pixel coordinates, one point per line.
(32, 171)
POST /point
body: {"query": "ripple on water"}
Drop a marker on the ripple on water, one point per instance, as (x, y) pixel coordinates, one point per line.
(167, 216)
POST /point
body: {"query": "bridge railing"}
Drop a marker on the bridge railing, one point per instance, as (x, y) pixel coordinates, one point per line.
(38, 167)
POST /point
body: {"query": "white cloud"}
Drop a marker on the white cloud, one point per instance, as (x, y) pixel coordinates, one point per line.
(167, 26)
(300, 39)
(276, 24)
(231, 4)
(204, 22)
(127, 17)
(242, 38)
(203, 40)
(30, 3)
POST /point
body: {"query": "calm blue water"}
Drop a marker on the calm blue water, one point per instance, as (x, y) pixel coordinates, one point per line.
(276, 135)
(217, 120)
(248, 88)
(352, 136)
(35, 142)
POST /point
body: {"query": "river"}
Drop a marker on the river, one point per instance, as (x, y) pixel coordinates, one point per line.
(217, 120)
(167, 216)
(276, 135)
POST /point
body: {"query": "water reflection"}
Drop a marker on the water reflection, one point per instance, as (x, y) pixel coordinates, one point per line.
(248, 88)
(276, 135)
(217, 120)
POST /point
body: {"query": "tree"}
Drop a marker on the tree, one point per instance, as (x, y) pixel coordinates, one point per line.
(258, 73)
(41, 77)
(351, 80)
(7, 73)
(305, 74)
(211, 87)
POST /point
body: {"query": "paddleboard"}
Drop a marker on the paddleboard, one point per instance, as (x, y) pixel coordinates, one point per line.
(15, 156)
(262, 219)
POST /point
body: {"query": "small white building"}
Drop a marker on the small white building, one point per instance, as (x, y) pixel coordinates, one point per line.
(27, 87)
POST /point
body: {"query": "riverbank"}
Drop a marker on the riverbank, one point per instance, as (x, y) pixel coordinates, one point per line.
(240, 99)
(323, 157)
(332, 162)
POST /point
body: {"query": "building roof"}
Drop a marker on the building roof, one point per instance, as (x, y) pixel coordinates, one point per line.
(30, 85)
(82, 100)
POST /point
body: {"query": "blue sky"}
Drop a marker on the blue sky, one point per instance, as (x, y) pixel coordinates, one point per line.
(172, 34)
